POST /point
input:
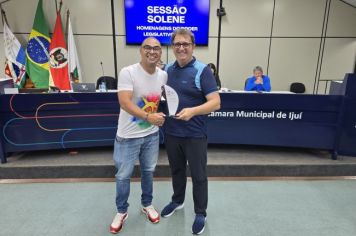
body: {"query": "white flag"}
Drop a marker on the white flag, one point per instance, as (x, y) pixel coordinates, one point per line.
(73, 61)
(15, 57)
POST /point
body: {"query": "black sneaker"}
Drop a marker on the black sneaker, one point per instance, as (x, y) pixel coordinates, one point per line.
(171, 208)
(199, 224)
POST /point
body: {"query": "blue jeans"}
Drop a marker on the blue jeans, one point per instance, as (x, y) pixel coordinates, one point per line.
(126, 152)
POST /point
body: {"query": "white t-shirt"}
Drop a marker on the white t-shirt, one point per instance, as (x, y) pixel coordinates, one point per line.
(146, 90)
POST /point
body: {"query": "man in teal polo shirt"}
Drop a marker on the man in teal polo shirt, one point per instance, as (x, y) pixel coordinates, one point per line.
(186, 134)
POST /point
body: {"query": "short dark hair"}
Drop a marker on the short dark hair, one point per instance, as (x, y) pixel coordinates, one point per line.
(182, 31)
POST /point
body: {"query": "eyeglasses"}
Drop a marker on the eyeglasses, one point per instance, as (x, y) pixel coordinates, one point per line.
(148, 48)
(178, 45)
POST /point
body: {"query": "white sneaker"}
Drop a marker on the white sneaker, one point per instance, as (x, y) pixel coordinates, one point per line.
(152, 214)
(118, 222)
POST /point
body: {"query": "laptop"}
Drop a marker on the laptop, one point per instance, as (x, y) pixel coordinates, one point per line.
(84, 87)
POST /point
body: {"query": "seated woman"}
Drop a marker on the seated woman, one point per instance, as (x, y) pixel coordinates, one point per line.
(258, 82)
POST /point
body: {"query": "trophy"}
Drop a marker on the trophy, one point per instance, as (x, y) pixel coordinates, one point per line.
(172, 100)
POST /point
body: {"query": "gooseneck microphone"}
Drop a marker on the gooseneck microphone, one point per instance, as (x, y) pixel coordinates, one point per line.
(102, 67)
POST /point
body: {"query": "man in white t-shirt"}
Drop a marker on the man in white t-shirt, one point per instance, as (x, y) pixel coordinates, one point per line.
(137, 138)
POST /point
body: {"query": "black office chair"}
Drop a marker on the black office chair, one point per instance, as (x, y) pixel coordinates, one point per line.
(111, 82)
(297, 87)
(245, 83)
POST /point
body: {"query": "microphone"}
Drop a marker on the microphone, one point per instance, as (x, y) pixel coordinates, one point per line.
(102, 67)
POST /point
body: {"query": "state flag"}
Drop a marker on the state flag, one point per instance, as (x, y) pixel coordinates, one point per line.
(59, 57)
(15, 58)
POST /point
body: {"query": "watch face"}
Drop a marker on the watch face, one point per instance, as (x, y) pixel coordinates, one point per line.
(37, 49)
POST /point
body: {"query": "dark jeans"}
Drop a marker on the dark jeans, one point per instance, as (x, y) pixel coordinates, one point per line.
(193, 150)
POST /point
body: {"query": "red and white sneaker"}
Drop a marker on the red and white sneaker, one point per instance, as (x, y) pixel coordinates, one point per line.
(118, 223)
(151, 214)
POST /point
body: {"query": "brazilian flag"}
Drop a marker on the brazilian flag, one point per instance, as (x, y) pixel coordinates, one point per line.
(37, 51)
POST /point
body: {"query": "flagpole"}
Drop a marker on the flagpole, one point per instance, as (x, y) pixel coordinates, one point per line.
(55, 2)
(60, 6)
(4, 2)
(3, 15)
(67, 23)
